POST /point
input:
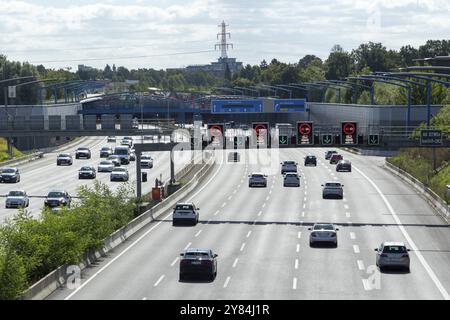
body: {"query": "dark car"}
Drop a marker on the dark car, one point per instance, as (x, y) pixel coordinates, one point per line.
(105, 152)
(198, 262)
(344, 165)
(64, 158)
(310, 161)
(329, 153)
(83, 153)
(335, 158)
(87, 172)
(58, 198)
(9, 175)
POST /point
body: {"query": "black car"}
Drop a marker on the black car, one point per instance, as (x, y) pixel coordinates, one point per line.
(198, 262)
(344, 165)
(9, 175)
(105, 152)
(58, 198)
(329, 153)
(310, 161)
(83, 153)
(87, 172)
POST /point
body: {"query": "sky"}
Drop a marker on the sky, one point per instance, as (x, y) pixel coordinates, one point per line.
(175, 33)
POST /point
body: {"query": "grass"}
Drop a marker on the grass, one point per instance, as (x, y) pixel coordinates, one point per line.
(4, 156)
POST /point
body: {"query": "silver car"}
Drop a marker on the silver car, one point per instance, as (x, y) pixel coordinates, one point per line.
(146, 161)
(120, 174)
(323, 233)
(392, 254)
(185, 212)
(291, 179)
(333, 190)
(17, 198)
(257, 179)
(106, 166)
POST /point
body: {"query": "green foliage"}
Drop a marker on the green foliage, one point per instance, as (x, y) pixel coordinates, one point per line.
(39, 246)
(12, 275)
(4, 151)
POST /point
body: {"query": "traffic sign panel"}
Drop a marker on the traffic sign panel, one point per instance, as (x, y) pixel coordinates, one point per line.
(374, 139)
(283, 140)
(304, 133)
(349, 133)
(431, 138)
(327, 139)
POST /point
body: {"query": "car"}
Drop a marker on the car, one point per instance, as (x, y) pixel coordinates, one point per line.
(392, 254)
(323, 233)
(291, 179)
(10, 175)
(105, 152)
(111, 139)
(185, 212)
(105, 166)
(87, 172)
(335, 158)
(83, 153)
(123, 152)
(310, 160)
(344, 165)
(115, 159)
(56, 198)
(126, 142)
(16, 199)
(198, 262)
(333, 190)
(329, 153)
(288, 166)
(120, 174)
(234, 157)
(146, 161)
(132, 155)
(64, 158)
(257, 179)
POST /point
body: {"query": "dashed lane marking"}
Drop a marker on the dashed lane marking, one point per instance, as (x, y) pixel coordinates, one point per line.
(198, 233)
(174, 261)
(296, 264)
(352, 236)
(249, 233)
(361, 265)
(294, 284)
(356, 248)
(235, 262)
(299, 235)
(298, 247)
(188, 245)
(159, 280)
(226, 282)
(242, 247)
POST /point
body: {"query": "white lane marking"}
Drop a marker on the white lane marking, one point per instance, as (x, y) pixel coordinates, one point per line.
(270, 192)
(239, 186)
(361, 265)
(356, 248)
(305, 182)
(294, 284)
(332, 174)
(352, 236)
(303, 213)
(296, 264)
(235, 262)
(304, 205)
(345, 199)
(229, 198)
(414, 248)
(138, 240)
(188, 245)
(335, 178)
(159, 280)
(249, 233)
(197, 234)
(298, 247)
(174, 261)
(242, 180)
(346, 206)
(216, 213)
(306, 193)
(304, 199)
(267, 198)
(264, 204)
(306, 187)
(144, 298)
(234, 192)
(259, 213)
(366, 284)
(224, 204)
(299, 235)
(347, 214)
(226, 282)
(242, 247)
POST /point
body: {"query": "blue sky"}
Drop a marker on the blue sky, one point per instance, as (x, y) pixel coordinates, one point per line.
(175, 33)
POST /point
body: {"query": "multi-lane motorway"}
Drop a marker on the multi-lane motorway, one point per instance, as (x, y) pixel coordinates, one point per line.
(41, 176)
(262, 238)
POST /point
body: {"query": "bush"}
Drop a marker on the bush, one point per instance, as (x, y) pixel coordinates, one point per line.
(12, 275)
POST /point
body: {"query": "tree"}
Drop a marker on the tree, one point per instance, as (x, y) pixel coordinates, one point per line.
(307, 60)
(227, 72)
(263, 64)
(339, 64)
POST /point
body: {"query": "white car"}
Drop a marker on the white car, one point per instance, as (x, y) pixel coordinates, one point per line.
(146, 161)
(291, 179)
(185, 212)
(323, 233)
(333, 190)
(257, 179)
(120, 174)
(17, 198)
(288, 166)
(105, 166)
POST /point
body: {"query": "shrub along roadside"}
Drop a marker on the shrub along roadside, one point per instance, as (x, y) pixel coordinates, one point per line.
(31, 248)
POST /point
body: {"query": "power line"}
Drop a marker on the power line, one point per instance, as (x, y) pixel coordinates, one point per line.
(129, 57)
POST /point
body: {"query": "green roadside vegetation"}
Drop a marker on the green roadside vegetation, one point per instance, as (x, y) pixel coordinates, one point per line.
(419, 161)
(4, 156)
(31, 248)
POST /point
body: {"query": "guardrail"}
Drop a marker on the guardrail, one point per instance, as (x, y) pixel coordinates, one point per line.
(44, 287)
(440, 205)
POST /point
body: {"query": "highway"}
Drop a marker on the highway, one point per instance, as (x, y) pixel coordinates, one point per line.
(40, 176)
(262, 239)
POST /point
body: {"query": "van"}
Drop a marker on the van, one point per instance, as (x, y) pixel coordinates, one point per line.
(124, 154)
